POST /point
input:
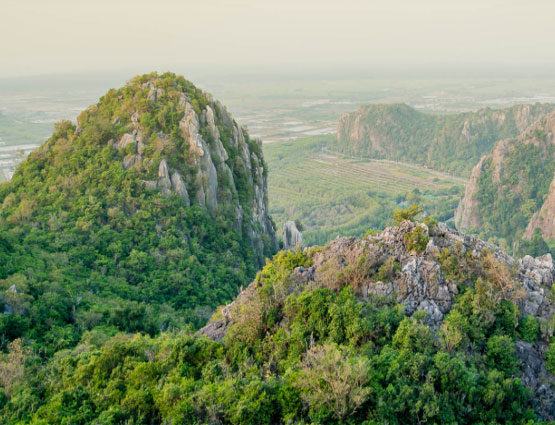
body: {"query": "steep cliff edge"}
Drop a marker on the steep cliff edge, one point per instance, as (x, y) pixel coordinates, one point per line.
(512, 190)
(452, 143)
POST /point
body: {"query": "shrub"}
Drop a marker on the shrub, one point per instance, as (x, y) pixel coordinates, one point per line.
(528, 328)
(417, 240)
(501, 354)
(402, 214)
(388, 269)
(550, 358)
(333, 379)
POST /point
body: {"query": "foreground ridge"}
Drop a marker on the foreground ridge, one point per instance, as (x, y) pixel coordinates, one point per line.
(425, 269)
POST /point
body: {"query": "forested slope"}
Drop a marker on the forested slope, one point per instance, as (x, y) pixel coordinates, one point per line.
(508, 196)
(143, 217)
(415, 324)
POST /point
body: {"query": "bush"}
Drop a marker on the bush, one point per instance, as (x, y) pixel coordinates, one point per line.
(550, 358)
(528, 328)
(501, 354)
(402, 214)
(388, 269)
(417, 240)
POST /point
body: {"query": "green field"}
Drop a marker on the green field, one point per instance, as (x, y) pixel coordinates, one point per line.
(14, 131)
(332, 195)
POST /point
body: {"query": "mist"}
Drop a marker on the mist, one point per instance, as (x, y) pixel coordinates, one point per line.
(268, 38)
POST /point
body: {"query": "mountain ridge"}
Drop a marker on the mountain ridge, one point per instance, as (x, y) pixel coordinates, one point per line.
(427, 277)
(453, 142)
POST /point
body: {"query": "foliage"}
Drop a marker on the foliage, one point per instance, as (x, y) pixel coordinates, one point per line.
(402, 214)
(529, 328)
(293, 354)
(535, 247)
(550, 357)
(417, 239)
(84, 245)
(331, 379)
(388, 269)
(12, 366)
(508, 202)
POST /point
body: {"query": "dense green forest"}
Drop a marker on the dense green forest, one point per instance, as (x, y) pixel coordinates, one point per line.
(452, 142)
(85, 245)
(297, 353)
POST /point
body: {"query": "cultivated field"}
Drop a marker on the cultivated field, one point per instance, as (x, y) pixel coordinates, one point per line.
(332, 195)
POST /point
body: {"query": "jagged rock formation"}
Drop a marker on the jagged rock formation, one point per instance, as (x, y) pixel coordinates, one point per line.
(452, 143)
(467, 214)
(384, 265)
(217, 153)
(292, 237)
(420, 283)
(512, 190)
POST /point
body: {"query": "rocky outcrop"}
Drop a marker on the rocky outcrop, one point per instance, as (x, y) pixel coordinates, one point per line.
(536, 378)
(383, 265)
(417, 280)
(544, 219)
(292, 237)
(452, 143)
(467, 214)
(217, 152)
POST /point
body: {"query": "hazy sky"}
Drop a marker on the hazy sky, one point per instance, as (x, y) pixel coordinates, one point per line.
(273, 36)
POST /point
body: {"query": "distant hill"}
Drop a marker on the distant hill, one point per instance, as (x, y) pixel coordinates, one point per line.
(452, 143)
(511, 192)
(144, 216)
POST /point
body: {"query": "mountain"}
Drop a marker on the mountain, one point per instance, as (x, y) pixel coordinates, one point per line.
(417, 323)
(144, 216)
(453, 143)
(511, 191)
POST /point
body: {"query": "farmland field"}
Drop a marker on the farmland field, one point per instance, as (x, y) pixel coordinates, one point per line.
(332, 195)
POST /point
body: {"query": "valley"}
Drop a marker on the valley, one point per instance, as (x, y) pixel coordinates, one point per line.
(332, 195)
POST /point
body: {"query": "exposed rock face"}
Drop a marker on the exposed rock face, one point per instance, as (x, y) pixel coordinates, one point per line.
(451, 143)
(292, 237)
(178, 185)
(207, 174)
(467, 213)
(544, 219)
(419, 283)
(501, 174)
(164, 182)
(536, 377)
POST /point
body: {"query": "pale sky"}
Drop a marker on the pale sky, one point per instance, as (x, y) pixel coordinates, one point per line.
(60, 36)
